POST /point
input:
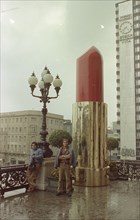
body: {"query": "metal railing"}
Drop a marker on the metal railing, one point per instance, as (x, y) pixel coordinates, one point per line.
(125, 170)
(12, 178)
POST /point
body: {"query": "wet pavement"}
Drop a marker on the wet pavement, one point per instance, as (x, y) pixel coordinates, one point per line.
(118, 201)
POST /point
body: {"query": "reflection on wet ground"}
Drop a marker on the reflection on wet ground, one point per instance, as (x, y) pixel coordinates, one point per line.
(118, 201)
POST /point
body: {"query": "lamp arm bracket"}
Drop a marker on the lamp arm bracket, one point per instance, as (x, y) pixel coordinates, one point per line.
(36, 96)
(52, 97)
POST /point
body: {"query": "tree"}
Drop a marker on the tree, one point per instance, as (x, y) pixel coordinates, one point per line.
(56, 138)
(112, 143)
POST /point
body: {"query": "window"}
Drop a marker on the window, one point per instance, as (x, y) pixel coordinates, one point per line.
(137, 65)
(33, 138)
(137, 2)
(138, 99)
(138, 91)
(33, 119)
(137, 33)
(137, 49)
(137, 10)
(15, 148)
(137, 74)
(33, 129)
(11, 148)
(137, 41)
(21, 162)
(136, 18)
(19, 148)
(13, 161)
(137, 57)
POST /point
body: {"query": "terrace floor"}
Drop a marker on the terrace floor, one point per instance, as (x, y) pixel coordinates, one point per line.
(118, 201)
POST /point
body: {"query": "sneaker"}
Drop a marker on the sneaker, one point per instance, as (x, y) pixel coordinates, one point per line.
(58, 194)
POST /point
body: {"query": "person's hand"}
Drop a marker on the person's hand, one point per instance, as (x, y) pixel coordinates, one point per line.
(62, 157)
(33, 156)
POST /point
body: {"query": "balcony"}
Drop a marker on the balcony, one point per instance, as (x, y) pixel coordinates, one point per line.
(118, 200)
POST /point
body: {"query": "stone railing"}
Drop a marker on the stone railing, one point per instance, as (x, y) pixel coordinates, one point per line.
(12, 178)
(125, 170)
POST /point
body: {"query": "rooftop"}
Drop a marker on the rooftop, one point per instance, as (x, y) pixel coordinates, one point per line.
(118, 201)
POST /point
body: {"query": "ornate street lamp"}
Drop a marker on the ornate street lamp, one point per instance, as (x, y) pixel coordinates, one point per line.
(44, 85)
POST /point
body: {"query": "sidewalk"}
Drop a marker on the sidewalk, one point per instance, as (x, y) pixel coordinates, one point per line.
(118, 201)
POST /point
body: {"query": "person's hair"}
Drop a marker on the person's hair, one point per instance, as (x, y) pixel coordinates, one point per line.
(34, 142)
(65, 139)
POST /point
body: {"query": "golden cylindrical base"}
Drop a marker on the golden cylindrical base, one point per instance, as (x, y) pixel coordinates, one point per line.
(91, 177)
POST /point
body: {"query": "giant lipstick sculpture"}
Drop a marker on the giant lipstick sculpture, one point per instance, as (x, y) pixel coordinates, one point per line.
(90, 121)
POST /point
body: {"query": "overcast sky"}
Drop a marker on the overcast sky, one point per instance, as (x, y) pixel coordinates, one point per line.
(55, 34)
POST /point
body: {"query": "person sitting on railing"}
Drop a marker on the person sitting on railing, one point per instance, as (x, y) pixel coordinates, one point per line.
(36, 158)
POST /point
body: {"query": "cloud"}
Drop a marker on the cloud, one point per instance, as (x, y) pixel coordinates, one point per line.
(54, 33)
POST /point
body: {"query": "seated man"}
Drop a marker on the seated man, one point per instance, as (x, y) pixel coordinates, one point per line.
(36, 158)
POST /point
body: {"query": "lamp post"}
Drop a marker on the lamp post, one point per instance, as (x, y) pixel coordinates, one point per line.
(44, 85)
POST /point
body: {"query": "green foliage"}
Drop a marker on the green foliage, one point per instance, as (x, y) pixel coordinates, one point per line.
(57, 136)
(112, 143)
(55, 173)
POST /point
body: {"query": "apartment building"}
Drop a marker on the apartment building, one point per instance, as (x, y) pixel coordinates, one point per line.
(19, 129)
(128, 77)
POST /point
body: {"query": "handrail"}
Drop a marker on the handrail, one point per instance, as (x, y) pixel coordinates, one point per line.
(12, 178)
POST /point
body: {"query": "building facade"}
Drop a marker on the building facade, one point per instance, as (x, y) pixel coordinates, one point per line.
(112, 133)
(19, 129)
(128, 77)
(68, 126)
